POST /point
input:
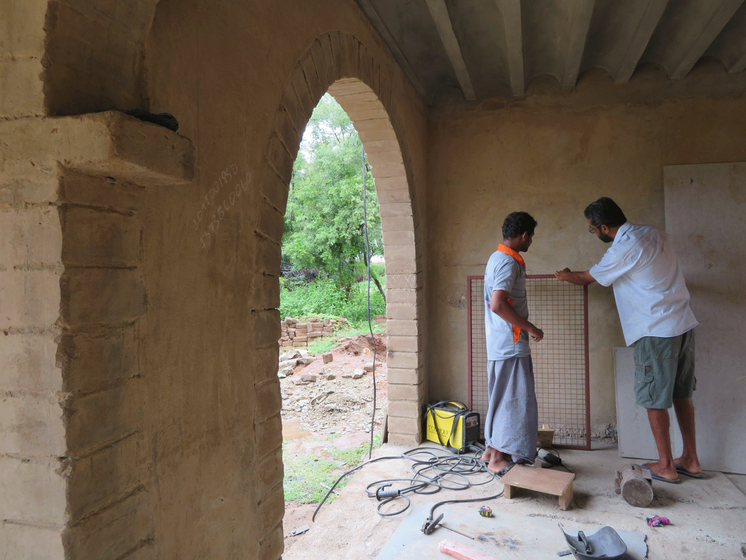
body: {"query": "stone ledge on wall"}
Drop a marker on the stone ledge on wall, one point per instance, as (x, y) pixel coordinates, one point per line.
(72, 260)
(109, 144)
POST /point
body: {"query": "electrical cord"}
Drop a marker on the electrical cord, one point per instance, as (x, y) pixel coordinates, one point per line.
(373, 341)
(456, 466)
(433, 472)
(555, 452)
(370, 326)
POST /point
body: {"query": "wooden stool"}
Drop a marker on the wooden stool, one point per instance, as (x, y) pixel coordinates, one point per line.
(556, 483)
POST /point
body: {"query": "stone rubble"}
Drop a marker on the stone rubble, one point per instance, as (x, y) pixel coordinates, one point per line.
(335, 396)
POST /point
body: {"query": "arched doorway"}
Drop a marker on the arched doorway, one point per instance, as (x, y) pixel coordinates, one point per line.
(313, 75)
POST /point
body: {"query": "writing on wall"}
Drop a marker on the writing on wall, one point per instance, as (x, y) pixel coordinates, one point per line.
(218, 201)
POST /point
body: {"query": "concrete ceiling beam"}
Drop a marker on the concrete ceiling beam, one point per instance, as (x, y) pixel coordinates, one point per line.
(720, 17)
(645, 28)
(580, 22)
(380, 27)
(439, 13)
(511, 12)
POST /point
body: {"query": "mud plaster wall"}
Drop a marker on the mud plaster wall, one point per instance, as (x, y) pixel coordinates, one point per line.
(192, 459)
(154, 431)
(551, 156)
(222, 70)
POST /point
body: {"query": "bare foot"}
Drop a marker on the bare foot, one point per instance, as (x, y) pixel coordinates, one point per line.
(669, 473)
(499, 466)
(498, 462)
(487, 455)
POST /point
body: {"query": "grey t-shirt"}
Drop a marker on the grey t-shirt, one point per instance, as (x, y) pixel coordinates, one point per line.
(504, 273)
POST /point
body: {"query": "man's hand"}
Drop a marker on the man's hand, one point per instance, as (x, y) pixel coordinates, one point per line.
(500, 306)
(579, 278)
(563, 275)
(536, 333)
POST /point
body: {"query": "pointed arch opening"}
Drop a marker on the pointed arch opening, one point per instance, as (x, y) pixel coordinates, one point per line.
(338, 63)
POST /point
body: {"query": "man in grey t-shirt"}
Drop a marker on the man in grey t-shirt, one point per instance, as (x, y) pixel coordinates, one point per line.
(511, 425)
(653, 304)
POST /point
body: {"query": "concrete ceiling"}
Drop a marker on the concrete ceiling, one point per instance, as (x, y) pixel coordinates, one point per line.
(493, 48)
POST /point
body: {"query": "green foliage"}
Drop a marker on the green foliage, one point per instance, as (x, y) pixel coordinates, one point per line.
(355, 455)
(321, 345)
(321, 296)
(306, 475)
(378, 271)
(324, 216)
(309, 477)
(362, 328)
(355, 309)
(325, 296)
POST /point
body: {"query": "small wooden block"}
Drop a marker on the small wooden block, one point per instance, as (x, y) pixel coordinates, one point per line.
(556, 483)
(634, 484)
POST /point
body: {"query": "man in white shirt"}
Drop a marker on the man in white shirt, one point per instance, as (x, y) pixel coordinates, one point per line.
(653, 305)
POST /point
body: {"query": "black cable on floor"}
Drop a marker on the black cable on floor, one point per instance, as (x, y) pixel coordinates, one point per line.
(557, 453)
(435, 469)
(431, 475)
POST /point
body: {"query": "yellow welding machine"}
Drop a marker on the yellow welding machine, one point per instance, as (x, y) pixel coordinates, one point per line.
(452, 425)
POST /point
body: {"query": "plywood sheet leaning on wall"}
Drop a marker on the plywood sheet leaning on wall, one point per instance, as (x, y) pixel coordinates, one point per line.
(705, 216)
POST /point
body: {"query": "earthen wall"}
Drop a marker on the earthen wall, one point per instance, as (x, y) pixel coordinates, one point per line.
(141, 413)
(551, 155)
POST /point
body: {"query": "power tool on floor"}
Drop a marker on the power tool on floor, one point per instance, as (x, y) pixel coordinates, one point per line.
(548, 459)
(452, 424)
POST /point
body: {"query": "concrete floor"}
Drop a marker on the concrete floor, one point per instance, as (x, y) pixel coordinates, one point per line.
(708, 517)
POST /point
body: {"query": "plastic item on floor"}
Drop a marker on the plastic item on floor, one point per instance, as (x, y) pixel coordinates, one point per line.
(604, 543)
(657, 521)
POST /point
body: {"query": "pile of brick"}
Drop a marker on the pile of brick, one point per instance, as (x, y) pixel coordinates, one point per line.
(300, 332)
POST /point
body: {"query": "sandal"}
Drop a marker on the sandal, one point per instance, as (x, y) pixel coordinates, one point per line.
(682, 470)
(658, 477)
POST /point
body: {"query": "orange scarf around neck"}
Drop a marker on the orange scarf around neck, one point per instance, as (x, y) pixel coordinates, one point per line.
(508, 251)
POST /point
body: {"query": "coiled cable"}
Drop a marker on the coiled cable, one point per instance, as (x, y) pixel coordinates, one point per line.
(435, 469)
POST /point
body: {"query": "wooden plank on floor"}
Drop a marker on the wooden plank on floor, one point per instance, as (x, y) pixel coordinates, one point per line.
(545, 481)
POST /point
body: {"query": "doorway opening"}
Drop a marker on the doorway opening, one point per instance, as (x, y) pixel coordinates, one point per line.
(332, 363)
(329, 65)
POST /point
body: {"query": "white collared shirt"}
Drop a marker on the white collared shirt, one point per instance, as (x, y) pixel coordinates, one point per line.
(649, 288)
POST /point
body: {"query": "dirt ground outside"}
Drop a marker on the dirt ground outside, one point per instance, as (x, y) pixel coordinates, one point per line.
(330, 405)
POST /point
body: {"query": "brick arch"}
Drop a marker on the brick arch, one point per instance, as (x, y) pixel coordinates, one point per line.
(338, 63)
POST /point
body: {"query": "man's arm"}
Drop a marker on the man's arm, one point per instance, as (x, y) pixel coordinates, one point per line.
(500, 306)
(580, 278)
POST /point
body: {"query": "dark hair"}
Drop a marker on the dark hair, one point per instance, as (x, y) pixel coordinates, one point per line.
(605, 212)
(518, 223)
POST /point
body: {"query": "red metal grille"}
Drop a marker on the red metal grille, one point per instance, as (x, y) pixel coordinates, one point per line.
(560, 360)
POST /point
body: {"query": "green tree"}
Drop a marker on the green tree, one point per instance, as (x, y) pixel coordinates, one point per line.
(324, 217)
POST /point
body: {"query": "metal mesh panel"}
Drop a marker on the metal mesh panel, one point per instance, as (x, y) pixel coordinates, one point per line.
(560, 360)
